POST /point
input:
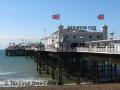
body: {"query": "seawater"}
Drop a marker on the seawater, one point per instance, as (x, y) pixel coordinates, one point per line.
(17, 68)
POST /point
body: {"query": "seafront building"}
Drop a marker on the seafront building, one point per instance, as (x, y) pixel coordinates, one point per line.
(81, 38)
(75, 36)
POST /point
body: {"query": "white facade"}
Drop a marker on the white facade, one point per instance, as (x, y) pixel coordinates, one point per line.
(67, 37)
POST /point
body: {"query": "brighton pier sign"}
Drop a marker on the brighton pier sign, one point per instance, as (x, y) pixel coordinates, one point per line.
(82, 27)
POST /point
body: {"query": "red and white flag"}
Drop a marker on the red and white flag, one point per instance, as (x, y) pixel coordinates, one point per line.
(101, 17)
(56, 16)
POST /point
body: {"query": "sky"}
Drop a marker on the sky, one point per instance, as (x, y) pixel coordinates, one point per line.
(27, 19)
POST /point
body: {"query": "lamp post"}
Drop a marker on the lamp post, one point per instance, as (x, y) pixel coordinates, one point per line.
(112, 34)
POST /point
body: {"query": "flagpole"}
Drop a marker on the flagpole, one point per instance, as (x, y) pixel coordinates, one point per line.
(59, 31)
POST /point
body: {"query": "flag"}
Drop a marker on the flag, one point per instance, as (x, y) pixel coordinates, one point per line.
(56, 16)
(101, 17)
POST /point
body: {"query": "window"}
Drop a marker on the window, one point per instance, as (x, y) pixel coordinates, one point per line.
(66, 37)
(98, 36)
(90, 36)
(74, 37)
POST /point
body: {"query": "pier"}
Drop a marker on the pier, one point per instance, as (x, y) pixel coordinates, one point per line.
(79, 64)
(72, 55)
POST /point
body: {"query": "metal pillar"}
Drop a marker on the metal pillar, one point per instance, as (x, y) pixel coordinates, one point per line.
(68, 67)
(115, 73)
(95, 71)
(47, 66)
(60, 69)
(78, 69)
(53, 71)
(40, 63)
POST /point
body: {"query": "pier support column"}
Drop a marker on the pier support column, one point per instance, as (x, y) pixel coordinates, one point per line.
(60, 69)
(103, 69)
(37, 61)
(53, 74)
(68, 66)
(78, 69)
(111, 74)
(44, 60)
(109, 64)
(95, 71)
(47, 66)
(40, 72)
(37, 65)
(53, 67)
(115, 73)
(40, 63)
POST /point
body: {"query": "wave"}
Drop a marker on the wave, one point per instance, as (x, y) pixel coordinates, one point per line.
(7, 73)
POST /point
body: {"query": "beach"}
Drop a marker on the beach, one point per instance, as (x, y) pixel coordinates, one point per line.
(111, 86)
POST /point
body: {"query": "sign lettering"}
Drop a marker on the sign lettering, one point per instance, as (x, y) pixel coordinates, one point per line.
(82, 27)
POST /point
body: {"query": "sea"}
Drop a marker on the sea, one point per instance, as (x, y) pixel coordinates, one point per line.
(17, 71)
